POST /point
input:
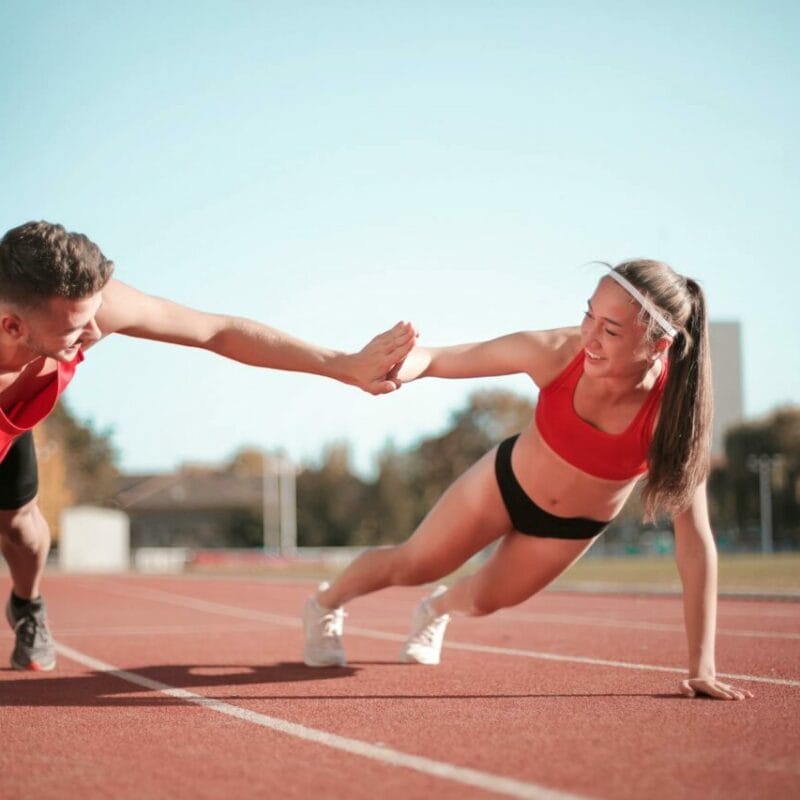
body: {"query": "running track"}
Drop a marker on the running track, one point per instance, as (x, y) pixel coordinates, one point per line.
(193, 687)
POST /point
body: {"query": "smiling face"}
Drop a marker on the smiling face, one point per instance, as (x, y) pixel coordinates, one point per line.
(614, 339)
(58, 328)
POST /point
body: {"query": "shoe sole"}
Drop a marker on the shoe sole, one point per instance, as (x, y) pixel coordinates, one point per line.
(33, 666)
(311, 663)
(407, 658)
(318, 662)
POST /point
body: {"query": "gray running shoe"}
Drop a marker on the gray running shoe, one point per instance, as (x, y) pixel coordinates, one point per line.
(424, 644)
(35, 649)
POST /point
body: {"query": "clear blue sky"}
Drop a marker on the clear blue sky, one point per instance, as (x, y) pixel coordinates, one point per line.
(332, 167)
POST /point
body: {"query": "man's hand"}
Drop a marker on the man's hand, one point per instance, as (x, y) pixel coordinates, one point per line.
(374, 367)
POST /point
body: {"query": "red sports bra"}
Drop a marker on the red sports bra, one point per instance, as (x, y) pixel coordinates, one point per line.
(613, 456)
(28, 412)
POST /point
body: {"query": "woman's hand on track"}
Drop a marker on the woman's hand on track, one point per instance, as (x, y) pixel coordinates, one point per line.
(711, 687)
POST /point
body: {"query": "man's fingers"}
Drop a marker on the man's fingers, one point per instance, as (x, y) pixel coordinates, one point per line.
(404, 332)
(386, 354)
(398, 350)
(384, 387)
(399, 339)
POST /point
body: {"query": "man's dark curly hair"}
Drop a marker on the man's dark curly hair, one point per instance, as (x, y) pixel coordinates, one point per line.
(40, 260)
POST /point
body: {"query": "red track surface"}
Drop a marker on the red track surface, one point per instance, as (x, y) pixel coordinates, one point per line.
(497, 718)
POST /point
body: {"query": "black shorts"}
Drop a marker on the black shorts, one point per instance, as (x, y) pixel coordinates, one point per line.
(19, 476)
(526, 516)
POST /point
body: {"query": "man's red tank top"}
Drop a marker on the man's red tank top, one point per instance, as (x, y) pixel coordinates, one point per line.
(32, 410)
(605, 455)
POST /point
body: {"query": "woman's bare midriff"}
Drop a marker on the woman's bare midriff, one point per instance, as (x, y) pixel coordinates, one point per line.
(561, 489)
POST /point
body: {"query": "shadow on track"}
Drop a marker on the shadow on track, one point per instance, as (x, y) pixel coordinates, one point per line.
(112, 689)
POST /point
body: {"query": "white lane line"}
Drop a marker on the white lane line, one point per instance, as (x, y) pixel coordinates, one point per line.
(646, 591)
(598, 662)
(573, 619)
(601, 662)
(778, 613)
(158, 595)
(386, 755)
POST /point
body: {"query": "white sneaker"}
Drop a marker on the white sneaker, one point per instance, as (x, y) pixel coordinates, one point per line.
(424, 644)
(323, 632)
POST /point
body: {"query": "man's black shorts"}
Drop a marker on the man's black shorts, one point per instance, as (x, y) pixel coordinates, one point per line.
(19, 476)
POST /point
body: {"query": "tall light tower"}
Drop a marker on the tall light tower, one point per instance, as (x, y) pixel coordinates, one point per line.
(278, 504)
(288, 540)
(763, 465)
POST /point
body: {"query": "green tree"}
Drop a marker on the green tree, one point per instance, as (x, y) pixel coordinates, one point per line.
(390, 513)
(335, 507)
(735, 485)
(246, 462)
(88, 454)
(331, 500)
(410, 482)
(488, 417)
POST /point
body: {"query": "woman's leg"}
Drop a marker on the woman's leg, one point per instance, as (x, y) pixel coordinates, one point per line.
(520, 567)
(467, 517)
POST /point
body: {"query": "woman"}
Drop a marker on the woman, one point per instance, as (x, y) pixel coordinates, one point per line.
(625, 396)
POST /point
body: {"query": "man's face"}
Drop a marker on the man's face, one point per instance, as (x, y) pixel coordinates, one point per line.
(60, 328)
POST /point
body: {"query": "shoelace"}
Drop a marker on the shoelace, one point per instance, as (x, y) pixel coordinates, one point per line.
(431, 629)
(27, 629)
(429, 632)
(330, 623)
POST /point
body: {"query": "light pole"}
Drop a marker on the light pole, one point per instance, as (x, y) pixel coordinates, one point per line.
(288, 539)
(763, 465)
(278, 504)
(270, 502)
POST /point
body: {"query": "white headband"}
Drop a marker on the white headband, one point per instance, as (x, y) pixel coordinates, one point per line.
(646, 304)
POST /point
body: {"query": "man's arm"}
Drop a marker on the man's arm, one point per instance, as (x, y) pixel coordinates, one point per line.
(696, 556)
(130, 312)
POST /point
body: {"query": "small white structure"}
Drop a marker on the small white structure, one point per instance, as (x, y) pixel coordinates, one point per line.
(94, 539)
(159, 560)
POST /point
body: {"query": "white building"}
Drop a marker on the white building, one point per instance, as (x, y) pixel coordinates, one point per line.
(725, 339)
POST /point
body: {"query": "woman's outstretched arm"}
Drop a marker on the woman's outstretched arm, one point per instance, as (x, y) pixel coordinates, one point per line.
(536, 353)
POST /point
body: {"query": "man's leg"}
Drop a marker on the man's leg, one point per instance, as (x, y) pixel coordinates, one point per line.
(25, 543)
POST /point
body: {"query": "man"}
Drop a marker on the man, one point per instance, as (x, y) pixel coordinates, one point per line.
(57, 299)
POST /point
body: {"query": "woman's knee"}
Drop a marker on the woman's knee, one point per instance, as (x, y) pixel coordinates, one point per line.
(24, 527)
(409, 568)
(482, 605)
(487, 597)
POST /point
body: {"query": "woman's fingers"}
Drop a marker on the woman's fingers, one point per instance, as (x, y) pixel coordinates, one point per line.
(713, 688)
